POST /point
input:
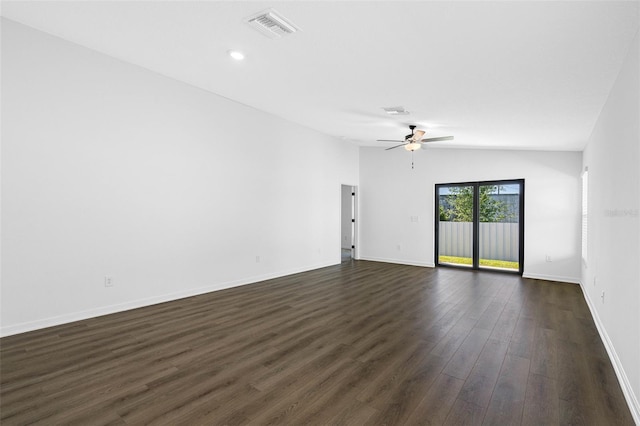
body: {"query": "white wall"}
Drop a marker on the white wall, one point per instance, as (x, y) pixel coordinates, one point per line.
(613, 158)
(391, 193)
(109, 169)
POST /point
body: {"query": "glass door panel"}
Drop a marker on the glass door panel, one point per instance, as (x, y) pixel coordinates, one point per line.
(499, 226)
(455, 225)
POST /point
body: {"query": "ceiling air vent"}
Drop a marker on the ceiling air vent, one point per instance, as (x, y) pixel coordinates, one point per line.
(397, 110)
(271, 24)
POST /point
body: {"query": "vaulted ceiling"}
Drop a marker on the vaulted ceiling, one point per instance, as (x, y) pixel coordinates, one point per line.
(516, 74)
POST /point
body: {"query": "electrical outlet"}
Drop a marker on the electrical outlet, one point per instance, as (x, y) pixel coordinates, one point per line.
(257, 259)
(548, 258)
(398, 247)
(108, 281)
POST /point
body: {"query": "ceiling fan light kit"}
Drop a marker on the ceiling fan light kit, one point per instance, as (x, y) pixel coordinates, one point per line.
(412, 146)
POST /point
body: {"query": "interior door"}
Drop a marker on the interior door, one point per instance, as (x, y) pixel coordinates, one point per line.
(348, 222)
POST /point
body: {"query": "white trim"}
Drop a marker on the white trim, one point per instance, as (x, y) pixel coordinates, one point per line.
(584, 241)
(140, 303)
(558, 278)
(627, 390)
(399, 261)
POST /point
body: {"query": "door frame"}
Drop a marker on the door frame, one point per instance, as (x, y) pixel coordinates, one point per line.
(355, 223)
(475, 227)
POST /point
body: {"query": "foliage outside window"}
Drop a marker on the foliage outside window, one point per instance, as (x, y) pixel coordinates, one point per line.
(458, 206)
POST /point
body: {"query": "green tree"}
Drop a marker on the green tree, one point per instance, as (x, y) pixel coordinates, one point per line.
(460, 205)
(443, 214)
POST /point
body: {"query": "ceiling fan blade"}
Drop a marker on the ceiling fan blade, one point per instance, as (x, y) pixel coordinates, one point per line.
(417, 135)
(397, 146)
(441, 138)
(389, 140)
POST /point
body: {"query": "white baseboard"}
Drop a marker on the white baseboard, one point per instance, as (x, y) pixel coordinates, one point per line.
(140, 303)
(627, 390)
(398, 261)
(558, 278)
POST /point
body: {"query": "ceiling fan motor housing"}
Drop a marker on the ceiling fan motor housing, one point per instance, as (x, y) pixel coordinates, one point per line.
(412, 127)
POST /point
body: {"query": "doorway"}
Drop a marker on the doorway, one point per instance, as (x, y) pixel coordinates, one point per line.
(480, 225)
(348, 223)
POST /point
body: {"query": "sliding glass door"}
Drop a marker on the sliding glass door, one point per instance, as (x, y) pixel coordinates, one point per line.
(480, 225)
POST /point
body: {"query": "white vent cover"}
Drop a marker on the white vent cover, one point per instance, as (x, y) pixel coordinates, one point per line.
(397, 110)
(271, 24)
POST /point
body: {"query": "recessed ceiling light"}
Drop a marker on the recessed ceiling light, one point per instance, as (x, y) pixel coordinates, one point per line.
(235, 54)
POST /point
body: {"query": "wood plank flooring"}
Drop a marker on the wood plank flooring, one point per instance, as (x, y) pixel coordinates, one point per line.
(361, 343)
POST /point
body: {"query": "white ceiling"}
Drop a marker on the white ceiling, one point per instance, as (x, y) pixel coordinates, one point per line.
(510, 74)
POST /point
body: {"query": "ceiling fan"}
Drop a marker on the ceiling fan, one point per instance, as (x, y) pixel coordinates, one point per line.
(413, 141)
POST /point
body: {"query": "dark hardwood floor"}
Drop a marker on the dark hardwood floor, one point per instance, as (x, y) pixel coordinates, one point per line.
(357, 343)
